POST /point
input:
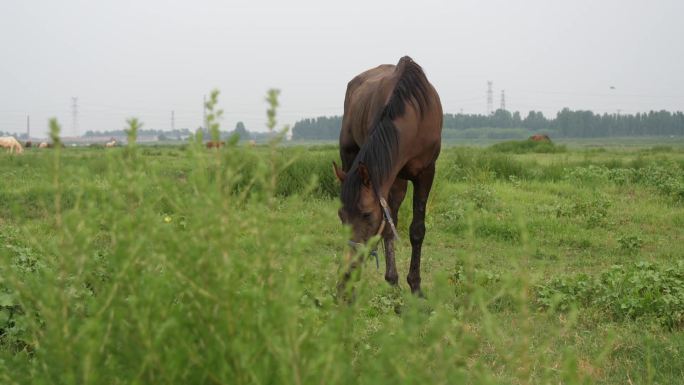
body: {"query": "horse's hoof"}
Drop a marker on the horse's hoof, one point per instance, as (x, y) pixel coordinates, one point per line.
(392, 280)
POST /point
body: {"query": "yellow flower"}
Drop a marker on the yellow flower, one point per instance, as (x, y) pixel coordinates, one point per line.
(167, 218)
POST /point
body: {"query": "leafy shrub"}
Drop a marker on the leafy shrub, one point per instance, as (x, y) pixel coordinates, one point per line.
(23, 262)
(312, 170)
(501, 230)
(591, 173)
(660, 148)
(630, 243)
(485, 133)
(527, 146)
(453, 215)
(594, 211)
(621, 176)
(481, 195)
(639, 290)
(667, 179)
(467, 164)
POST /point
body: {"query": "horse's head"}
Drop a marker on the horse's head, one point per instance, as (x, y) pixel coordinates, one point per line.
(361, 205)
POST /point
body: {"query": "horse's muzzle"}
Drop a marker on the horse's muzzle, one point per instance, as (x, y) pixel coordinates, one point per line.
(374, 253)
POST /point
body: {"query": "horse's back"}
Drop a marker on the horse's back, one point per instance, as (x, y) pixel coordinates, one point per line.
(366, 95)
(371, 75)
(416, 110)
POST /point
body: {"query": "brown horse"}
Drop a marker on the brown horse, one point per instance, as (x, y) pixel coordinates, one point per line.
(539, 138)
(214, 144)
(391, 134)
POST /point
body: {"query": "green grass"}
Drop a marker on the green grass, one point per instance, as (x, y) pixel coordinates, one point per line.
(182, 265)
(527, 146)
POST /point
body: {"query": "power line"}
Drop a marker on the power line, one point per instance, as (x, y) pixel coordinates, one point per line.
(490, 98)
(599, 94)
(204, 112)
(74, 115)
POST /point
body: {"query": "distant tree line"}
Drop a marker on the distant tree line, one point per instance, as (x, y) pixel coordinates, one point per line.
(322, 127)
(588, 124)
(241, 131)
(567, 123)
(177, 133)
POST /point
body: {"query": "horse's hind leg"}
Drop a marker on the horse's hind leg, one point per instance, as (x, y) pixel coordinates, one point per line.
(421, 190)
(396, 196)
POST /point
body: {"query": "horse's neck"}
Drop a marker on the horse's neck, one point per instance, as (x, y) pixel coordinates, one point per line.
(388, 181)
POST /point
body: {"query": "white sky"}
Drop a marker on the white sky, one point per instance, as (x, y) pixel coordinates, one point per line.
(145, 58)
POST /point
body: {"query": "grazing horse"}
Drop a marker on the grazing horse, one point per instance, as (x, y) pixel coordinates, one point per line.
(44, 145)
(214, 144)
(28, 144)
(111, 143)
(540, 138)
(11, 144)
(391, 134)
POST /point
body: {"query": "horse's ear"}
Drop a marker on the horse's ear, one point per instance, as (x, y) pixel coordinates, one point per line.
(339, 173)
(363, 173)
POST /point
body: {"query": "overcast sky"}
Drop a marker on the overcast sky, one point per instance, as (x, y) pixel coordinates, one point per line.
(146, 58)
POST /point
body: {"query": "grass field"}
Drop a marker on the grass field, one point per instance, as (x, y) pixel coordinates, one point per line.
(181, 265)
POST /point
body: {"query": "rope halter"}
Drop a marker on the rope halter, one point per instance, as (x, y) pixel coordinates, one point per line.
(386, 218)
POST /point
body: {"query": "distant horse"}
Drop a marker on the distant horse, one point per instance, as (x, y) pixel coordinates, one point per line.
(540, 138)
(44, 145)
(111, 143)
(28, 144)
(11, 144)
(214, 144)
(391, 134)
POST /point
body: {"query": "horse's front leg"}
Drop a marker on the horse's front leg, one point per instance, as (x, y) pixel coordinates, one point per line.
(396, 196)
(421, 191)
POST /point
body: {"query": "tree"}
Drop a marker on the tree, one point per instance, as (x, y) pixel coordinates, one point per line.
(241, 131)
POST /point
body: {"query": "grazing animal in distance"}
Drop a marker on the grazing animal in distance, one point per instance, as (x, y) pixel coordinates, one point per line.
(540, 138)
(391, 134)
(215, 144)
(28, 144)
(12, 144)
(44, 145)
(111, 143)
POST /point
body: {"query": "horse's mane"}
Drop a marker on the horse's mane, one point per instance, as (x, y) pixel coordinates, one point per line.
(379, 151)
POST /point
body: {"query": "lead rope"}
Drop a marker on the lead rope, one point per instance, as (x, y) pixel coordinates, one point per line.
(375, 252)
(388, 217)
